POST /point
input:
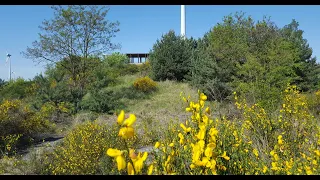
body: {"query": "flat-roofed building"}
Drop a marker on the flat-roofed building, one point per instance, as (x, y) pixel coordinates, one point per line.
(137, 58)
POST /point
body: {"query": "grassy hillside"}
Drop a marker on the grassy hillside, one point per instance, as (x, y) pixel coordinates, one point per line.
(154, 111)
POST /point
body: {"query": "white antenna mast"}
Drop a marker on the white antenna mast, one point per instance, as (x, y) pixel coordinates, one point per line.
(14, 75)
(8, 59)
(183, 21)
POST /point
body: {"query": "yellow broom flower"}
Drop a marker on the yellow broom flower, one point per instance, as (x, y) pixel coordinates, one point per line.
(121, 162)
(130, 169)
(138, 161)
(128, 122)
(208, 110)
(150, 169)
(224, 155)
(120, 117)
(126, 132)
(203, 97)
(186, 130)
(117, 154)
(114, 152)
(157, 145)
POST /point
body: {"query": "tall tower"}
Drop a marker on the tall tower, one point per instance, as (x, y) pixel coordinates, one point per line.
(8, 59)
(183, 20)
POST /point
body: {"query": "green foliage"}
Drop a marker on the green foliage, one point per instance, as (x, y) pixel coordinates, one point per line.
(68, 83)
(170, 57)
(71, 40)
(118, 65)
(51, 87)
(111, 98)
(145, 84)
(269, 66)
(15, 89)
(252, 58)
(2, 82)
(130, 92)
(129, 69)
(125, 69)
(52, 90)
(207, 73)
(308, 68)
(145, 69)
(101, 101)
(106, 73)
(8, 143)
(116, 59)
(102, 77)
(79, 74)
(74, 30)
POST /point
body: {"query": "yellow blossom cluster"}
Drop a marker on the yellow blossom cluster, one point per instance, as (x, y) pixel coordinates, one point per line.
(126, 132)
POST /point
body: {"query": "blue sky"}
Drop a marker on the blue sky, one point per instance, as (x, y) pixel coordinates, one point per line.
(141, 26)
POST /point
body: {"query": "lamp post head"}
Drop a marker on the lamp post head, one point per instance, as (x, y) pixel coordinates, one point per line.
(8, 55)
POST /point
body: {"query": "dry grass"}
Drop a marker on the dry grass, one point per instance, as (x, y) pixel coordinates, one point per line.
(158, 110)
(163, 105)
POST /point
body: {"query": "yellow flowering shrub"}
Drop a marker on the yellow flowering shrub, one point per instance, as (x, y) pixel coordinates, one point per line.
(8, 143)
(254, 143)
(11, 165)
(286, 142)
(193, 148)
(17, 120)
(81, 150)
(145, 84)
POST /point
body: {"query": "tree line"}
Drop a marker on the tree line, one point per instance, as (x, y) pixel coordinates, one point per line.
(255, 58)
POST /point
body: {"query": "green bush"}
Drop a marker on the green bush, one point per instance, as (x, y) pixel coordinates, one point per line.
(116, 59)
(52, 90)
(2, 82)
(15, 89)
(145, 84)
(109, 100)
(249, 57)
(102, 77)
(129, 69)
(208, 74)
(130, 93)
(100, 101)
(170, 57)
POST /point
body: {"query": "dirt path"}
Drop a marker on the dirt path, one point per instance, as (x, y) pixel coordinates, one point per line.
(47, 144)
